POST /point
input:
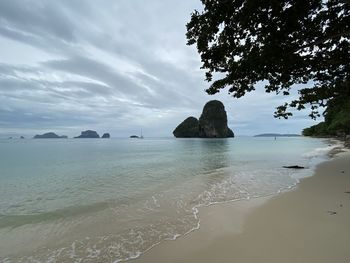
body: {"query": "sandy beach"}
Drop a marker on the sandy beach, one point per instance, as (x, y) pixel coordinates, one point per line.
(310, 223)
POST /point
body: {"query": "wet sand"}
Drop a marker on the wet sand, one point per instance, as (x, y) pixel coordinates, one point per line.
(310, 223)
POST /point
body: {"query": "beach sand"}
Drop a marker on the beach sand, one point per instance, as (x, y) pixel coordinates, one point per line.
(310, 223)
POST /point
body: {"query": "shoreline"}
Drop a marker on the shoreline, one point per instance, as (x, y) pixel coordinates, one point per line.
(314, 214)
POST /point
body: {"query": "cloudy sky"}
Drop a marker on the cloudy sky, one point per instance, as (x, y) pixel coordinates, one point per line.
(115, 66)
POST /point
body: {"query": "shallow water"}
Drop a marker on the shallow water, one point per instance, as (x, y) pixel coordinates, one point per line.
(94, 200)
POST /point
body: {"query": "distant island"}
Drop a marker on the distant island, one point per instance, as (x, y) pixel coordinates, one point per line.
(277, 135)
(106, 136)
(49, 135)
(211, 124)
(88, 134)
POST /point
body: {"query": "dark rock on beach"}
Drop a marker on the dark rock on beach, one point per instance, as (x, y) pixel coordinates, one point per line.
(88, 134)
(294, 167)
(106, 135)
(211, 124)
(332, 212)
(49, 135)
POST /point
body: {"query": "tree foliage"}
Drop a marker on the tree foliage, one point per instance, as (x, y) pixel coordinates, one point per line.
(284, 42)
(337, 119)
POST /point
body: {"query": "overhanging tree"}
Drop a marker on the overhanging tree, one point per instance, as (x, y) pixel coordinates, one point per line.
(284, 42)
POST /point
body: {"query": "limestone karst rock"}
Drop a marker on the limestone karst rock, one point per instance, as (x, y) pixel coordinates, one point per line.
(106, 135)
(187, 129)
(88, 134)
(211, 124)
(49, 135)
(213, 121)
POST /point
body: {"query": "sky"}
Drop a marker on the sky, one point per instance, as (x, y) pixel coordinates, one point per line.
(113, 66)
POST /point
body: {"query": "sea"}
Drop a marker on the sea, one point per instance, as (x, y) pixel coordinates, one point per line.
(110, 200)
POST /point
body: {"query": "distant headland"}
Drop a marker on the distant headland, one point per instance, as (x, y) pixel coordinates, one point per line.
(277, 135)
(211, 124)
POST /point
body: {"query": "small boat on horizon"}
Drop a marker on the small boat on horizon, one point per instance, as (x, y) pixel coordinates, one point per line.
(141, 137)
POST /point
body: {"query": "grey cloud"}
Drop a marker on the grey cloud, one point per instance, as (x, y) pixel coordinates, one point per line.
(11, 81)
(92, 69)
(91, 41)
(123, 44)
(42, 18)
(157, 94)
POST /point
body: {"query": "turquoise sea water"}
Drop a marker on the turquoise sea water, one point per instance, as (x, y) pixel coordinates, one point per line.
(94, 200)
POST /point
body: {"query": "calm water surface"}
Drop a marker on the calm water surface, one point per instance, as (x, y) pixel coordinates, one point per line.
(94, 200)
